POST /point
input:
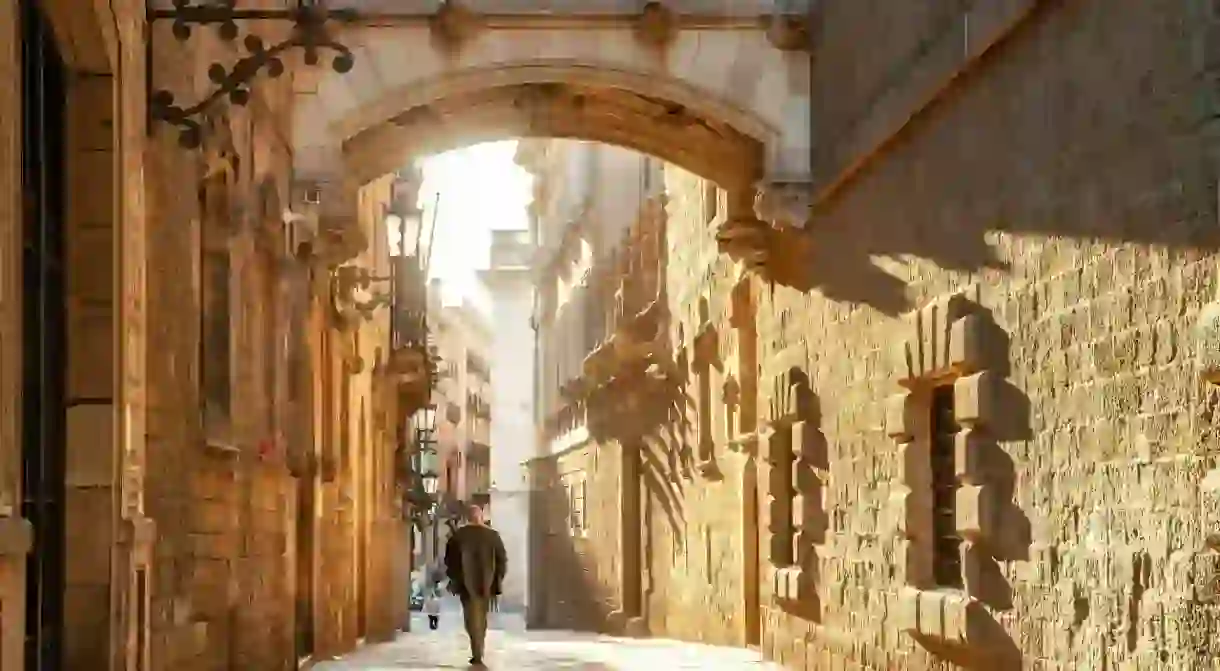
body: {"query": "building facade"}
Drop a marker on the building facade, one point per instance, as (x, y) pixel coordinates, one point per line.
(958, 421)
(196, 432)
(589, 201)
(463, 342)
(510, 282)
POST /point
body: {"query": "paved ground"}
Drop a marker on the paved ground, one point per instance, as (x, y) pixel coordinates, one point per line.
(511, 648)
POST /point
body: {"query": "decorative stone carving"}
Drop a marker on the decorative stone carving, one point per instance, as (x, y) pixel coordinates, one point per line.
(349, 309)
(944, 616)
(339, 240)
(927, 352)
(454, 24)
(947, 343)
(784, 205)
(657, 24)
(746, 239)
(795, 457)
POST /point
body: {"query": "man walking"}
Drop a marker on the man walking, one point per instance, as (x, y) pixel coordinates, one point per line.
(476, 562)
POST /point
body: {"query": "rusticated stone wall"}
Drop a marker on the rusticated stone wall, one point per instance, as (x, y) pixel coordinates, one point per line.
(1059, 195)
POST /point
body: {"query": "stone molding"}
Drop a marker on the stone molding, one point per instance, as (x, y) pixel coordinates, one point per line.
(947, 343)
(796, 462)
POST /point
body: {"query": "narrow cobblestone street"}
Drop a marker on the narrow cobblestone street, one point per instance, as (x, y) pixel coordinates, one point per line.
(511, 648)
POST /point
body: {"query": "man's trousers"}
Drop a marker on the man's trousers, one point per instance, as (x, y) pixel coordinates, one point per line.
(474, 614)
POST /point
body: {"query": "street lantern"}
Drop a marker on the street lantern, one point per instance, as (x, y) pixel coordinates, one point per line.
(431, 482)
(409, 225)
(425, 418)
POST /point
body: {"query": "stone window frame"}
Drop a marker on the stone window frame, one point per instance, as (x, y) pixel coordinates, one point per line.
(578, 513)
(216, 261)
(947, 342)
(796, 469)
(704, 359)
(711, 201)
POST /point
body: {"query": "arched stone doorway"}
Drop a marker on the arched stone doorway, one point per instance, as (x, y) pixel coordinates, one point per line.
(723, 92)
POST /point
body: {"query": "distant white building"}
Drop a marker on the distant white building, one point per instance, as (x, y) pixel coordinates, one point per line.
(512, 401)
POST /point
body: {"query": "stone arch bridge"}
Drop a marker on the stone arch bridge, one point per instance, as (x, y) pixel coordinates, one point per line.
(720, 87)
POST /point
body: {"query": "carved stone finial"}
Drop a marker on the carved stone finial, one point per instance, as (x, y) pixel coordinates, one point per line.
(454, 23)
(657, 24)
(784, 205)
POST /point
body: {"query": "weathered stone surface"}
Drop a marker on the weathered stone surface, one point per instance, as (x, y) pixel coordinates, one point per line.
(1067, 340)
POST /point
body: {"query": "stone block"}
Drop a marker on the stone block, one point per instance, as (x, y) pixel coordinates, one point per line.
(915, 465)
(899, 416)
(91, 453)
(976, 456)
(779, 547)
(805, 479)
(932, 614)
(908, 610)
(779, 514)
(16, 536)
(955, 608)
(967, 353)
(779, 444)
(915, 521)
(809, 444)
(975, 399)
(779, 480)
(976, 513)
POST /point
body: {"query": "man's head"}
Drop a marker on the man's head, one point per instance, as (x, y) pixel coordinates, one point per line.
(474, 514)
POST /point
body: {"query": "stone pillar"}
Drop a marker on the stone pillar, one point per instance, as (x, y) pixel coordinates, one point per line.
(92, 431)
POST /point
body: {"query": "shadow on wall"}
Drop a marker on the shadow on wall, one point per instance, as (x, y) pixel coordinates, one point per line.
(564, 588)
(1005, 536)
(986, 160)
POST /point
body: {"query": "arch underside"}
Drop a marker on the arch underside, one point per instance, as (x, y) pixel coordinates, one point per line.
(670, 131)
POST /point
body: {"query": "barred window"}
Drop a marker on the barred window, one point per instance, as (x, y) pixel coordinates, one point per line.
(215, 345)
(946, 557)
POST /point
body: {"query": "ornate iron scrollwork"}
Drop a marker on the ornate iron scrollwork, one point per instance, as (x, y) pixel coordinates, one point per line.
(309, 32)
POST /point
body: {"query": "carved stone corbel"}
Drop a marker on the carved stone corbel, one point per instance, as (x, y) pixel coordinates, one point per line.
(784, 205)
(454, 24)
(219, 153)
(656, 24)
(349, 309)
(746, 239)
(339, 240)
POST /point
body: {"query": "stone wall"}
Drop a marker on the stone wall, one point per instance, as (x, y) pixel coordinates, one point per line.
(1041, 234)
(574, 578)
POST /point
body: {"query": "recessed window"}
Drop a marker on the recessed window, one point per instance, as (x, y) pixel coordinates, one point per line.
(215, 345)
(946, 549)
(711, 201)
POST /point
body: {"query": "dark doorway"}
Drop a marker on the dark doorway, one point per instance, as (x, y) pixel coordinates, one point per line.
(43, 91)
(752, 605)
(304, 567)
(632, 529)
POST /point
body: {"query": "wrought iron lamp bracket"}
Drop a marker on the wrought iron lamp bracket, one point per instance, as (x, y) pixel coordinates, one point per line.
(309, 20)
